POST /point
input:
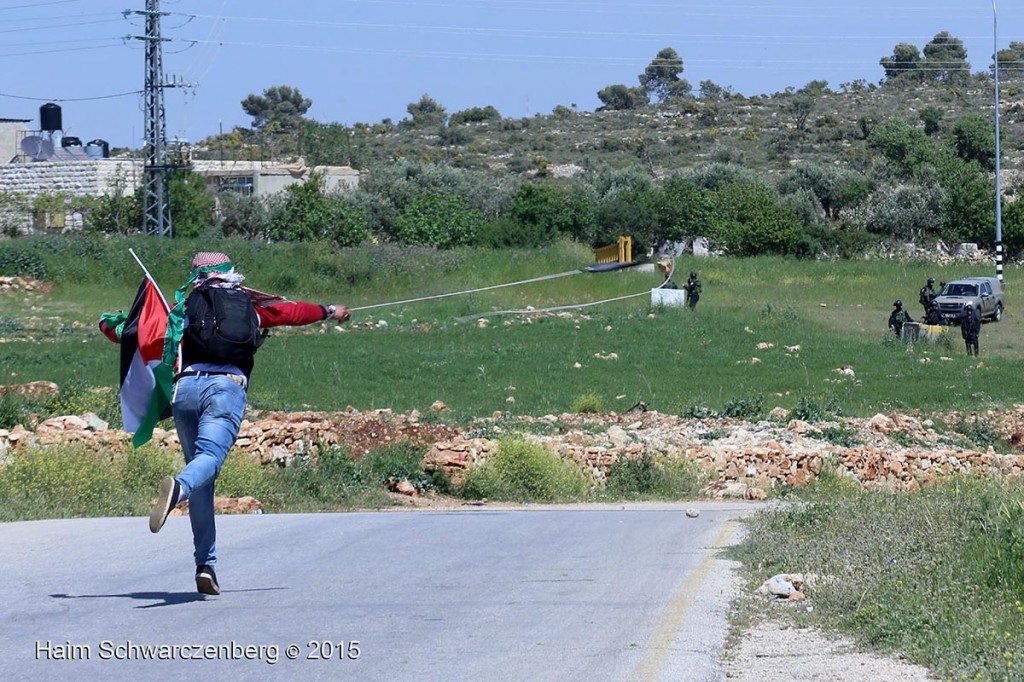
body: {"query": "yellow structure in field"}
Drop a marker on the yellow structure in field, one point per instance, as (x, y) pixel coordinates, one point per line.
(916, 331)
(620, 252)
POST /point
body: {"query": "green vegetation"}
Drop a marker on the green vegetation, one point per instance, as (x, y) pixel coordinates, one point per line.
(68, 482)
(935, 575)
(521, 471)
(588, 403)
(651, 478)
(812, 171)
(697, 364)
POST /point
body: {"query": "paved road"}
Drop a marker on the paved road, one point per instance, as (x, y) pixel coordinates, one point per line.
(588, 593)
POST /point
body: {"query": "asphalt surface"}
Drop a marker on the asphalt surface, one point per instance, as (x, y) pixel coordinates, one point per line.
(601, 592)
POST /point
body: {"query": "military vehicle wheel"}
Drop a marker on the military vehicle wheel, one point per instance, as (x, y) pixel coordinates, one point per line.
(997, 314)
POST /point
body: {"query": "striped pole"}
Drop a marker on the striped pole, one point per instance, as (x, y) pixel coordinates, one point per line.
(999, 191)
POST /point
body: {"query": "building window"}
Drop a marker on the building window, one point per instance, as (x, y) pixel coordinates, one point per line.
(243, 186)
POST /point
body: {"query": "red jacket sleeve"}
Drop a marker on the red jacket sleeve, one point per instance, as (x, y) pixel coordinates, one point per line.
(289, 313)
(109, 332)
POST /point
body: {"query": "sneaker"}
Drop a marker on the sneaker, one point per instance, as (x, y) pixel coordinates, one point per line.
(166, 500)
(206, 580)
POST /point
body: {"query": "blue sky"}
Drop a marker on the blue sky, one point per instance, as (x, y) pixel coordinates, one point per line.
(366, 60)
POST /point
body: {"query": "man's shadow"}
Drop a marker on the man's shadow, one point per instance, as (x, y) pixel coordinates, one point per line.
(161, 598)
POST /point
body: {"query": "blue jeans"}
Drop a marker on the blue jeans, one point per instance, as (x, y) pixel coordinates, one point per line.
(207, 414)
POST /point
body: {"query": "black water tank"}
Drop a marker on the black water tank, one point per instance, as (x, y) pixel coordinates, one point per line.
(69, 141)
(98, 149)
(49, 117)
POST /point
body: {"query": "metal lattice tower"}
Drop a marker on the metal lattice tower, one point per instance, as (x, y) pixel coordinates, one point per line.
(156, 202)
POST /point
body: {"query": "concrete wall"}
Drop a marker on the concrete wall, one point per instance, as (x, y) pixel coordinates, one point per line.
(76, 178)
(99, 177)
(11, 134)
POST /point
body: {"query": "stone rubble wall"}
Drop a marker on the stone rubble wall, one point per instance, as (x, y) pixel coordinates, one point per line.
(742, 459)
(75, 178)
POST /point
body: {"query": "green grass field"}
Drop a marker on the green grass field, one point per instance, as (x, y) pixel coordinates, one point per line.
(672, 359)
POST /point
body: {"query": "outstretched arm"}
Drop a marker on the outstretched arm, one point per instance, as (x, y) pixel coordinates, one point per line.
(299, 313)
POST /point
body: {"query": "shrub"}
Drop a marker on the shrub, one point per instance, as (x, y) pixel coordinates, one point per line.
(393, 464)
(441, 220)
(810, 410)
(140, 469)
(60, 482)
(646, 477)
(699, 410)
(15, 409)
(242, 474)
(744, 408)
(588, 403)
(19, 259)
(330, 477)
(76, 397)
(474, 115)
(981, 433)
(521, 471)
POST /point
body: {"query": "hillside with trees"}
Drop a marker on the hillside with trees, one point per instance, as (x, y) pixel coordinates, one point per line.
(816, 170)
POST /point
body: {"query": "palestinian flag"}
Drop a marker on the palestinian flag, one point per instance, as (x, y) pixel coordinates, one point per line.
(145, 382)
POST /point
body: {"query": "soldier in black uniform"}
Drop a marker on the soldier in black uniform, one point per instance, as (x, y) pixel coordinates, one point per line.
(933, 316)
(692, 288)
(927, 294)
(970, 328)
(898, 317)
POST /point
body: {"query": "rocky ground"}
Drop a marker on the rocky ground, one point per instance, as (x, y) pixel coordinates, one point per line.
(742, 458)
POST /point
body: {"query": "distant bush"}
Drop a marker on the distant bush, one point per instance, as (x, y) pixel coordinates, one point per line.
(811, 410)
(19, 259)
(588, 403)
(440, 220)
(521, 471)
(14, 410)
(329, 478)
(744, 408)
(646, 477)
(393, 464)
(474, 115)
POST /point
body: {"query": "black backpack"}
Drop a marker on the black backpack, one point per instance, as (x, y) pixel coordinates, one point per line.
(222, 326)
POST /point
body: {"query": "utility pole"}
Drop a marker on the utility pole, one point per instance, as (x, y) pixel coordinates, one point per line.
(156, 218)
(999, 190)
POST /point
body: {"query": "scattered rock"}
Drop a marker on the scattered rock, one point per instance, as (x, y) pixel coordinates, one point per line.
(693, 513)
(406, 488)
(33, 389)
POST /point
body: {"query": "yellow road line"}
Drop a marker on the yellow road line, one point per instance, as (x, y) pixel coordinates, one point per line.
(660, 643)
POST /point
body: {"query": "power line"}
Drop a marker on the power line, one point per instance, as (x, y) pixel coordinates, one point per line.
(558, 33)
(38, 4)
(70, 49)
(71, 99)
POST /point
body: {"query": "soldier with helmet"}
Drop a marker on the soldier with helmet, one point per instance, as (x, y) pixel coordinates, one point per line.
(970, 328)
(692, 288)
(898, 317)
(927, 295)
